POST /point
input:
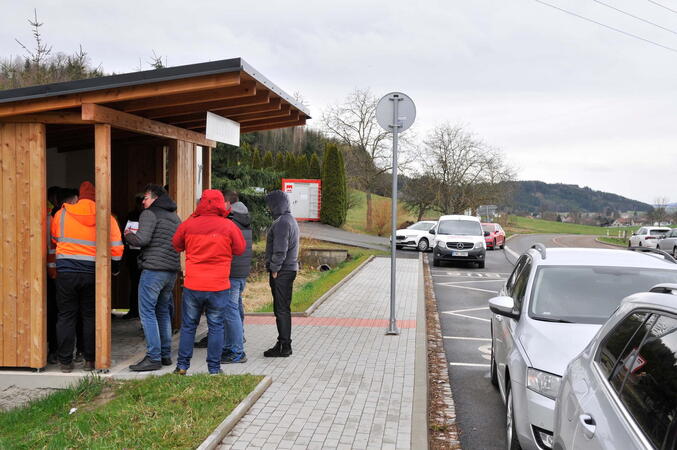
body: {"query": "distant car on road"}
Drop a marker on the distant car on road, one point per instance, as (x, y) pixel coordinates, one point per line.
(647, 236)
(621, 391)
(550, 308)
(669, 243)
(415, 235)
(494, 236)
(459, 238)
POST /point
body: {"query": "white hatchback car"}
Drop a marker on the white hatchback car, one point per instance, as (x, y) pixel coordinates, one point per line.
(648, 236)
(415, 236)
(550, 308)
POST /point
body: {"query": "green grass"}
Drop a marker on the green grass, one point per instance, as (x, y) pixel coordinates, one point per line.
(614, 240)
(524, 225)
(305, 295)
(169, 411)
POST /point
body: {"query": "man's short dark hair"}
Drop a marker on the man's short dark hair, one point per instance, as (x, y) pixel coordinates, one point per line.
(231, 196)
(66, 194)
(155, 190)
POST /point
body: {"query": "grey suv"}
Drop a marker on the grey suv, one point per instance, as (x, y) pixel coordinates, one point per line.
(551, 306)
(621, 391)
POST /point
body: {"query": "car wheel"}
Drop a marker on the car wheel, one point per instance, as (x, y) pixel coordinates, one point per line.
(503, 244)
(640, 244)
(423, 245)
(511, 432)
(436, 262)
(493, 371)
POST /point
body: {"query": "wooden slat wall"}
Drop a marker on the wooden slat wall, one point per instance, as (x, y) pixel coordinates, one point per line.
(23, 246)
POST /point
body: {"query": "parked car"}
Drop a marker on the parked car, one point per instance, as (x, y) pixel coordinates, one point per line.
(647, 236)
(669, 243)
(621, 391)
(494, 236)
(550, 308)
(458, 238)
(415, 235)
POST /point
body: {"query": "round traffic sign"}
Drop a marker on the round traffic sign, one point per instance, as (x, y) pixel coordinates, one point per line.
(406, 111)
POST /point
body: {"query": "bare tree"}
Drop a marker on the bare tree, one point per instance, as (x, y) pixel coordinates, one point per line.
(659, 214)
(467, 171)
(419, 194)
(367, 149)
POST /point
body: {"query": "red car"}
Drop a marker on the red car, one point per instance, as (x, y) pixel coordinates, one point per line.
(494, 236)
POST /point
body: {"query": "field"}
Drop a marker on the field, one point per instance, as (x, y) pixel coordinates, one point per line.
(526, 225)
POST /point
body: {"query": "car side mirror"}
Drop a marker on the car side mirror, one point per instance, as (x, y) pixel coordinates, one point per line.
(432, 231)
(486, 233)
(503, 306)
(634, 233)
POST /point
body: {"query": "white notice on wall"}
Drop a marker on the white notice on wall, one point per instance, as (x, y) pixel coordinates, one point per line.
(223, 130)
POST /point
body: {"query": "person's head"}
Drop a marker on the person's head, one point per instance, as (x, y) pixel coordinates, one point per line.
(53, 194)
(151, 193)
(231, 196)
(69, 196)
(87, 191)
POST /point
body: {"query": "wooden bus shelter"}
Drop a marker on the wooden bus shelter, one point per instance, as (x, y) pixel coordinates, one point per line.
(143, 127)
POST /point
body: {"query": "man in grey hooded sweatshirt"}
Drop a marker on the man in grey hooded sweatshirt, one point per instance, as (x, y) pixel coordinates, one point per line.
(282, 250)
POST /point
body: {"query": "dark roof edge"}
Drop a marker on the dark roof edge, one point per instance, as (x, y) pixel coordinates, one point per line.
(144, 77)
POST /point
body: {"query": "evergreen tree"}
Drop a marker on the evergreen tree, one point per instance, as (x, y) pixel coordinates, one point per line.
(314, 169)
(279, 162)
(333, 187)
(289, 165)
(301, 166)
(343, 185)
(268, 160)
(256, 159)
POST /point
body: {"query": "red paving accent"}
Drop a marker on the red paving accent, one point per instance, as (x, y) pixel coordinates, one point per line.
(331, 322)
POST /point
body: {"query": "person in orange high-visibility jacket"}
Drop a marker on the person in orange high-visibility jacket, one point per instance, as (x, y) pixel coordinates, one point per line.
(74, 231)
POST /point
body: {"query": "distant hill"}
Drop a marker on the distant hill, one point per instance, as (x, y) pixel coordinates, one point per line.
(536, 196)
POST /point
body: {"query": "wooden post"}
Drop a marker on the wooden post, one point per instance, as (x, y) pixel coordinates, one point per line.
(102, 169)
(206, 168)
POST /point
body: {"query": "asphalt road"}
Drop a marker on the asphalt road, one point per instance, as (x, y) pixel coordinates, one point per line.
(462, 293)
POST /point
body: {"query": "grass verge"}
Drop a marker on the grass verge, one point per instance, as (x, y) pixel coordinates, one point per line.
(615, 241)
(168, 411)
(306, 294)
(524, 225)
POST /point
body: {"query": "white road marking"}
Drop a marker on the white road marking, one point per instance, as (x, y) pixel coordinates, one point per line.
(464, 338)
(466, 287)
(467, 364)
(485, 350)
(471, 274)
(466, 316)
(513, 253)
(468, 309)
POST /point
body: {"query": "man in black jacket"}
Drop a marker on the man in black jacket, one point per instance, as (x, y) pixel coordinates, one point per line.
(282, 250)
(233, 348)
(159, 263)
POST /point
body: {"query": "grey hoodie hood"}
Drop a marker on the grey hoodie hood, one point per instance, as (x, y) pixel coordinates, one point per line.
(278, 202)
(240, 214)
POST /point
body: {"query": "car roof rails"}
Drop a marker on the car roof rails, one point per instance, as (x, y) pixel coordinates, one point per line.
(668, 257)
(540, 248)
(665, 288)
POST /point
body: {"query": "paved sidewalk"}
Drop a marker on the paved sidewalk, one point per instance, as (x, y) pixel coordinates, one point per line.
(347, 385)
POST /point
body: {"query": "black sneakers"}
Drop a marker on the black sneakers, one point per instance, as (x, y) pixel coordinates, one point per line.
(66, 368)
(145, 365)
(278, 351)
(166, 361)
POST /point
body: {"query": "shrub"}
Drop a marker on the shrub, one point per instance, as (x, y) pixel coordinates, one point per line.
(333, 188)
(314, 168)
(267, 160)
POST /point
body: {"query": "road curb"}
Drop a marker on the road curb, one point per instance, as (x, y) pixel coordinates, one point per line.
(214, 439)
(609, 243)
(419, 411)
(311, 309)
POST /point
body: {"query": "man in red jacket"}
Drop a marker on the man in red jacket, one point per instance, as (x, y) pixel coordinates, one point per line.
(210, 241)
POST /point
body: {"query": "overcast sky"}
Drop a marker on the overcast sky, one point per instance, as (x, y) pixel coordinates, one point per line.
(566, 100)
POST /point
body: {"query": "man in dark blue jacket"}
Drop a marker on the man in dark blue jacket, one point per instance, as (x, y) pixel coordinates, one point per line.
(282, 251)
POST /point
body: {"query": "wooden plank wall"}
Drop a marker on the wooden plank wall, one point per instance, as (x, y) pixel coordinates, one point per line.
(23, 247)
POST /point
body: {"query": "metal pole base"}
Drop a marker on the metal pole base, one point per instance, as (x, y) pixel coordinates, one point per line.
(392, 329)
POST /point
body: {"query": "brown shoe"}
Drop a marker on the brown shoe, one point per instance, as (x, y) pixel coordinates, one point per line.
(88, 366)
(178, 371)
(66, 368)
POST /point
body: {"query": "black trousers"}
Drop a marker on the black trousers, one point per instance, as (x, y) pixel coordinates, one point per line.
(75, 293)
(282, 288)
(52, 343)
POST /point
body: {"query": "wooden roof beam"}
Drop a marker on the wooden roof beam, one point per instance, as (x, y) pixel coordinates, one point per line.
(285, 113)
(120, 94)
(260, 98)
(274, 125)
(273, 105)
(58, 117)
(246, 89)
(130, 122)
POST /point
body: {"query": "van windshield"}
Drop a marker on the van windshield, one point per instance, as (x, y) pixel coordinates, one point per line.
(460, 228)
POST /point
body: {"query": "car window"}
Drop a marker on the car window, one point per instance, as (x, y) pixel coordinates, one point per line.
(513, 276)
(658, 232)
(642, 231)
(589, 294)
(650, 388)
(520, 287)
(620, 341)
(421, 226)
(460, 228)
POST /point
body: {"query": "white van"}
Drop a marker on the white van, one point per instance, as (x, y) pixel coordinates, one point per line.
(458, 238)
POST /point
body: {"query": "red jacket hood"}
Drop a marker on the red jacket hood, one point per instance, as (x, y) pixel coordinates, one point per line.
(212, 203)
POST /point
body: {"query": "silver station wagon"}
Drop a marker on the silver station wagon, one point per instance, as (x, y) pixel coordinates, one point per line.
(550, 308)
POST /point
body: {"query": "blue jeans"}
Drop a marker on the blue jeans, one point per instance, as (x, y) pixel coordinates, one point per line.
(234, 319)
(214, 305)
(155, 299)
